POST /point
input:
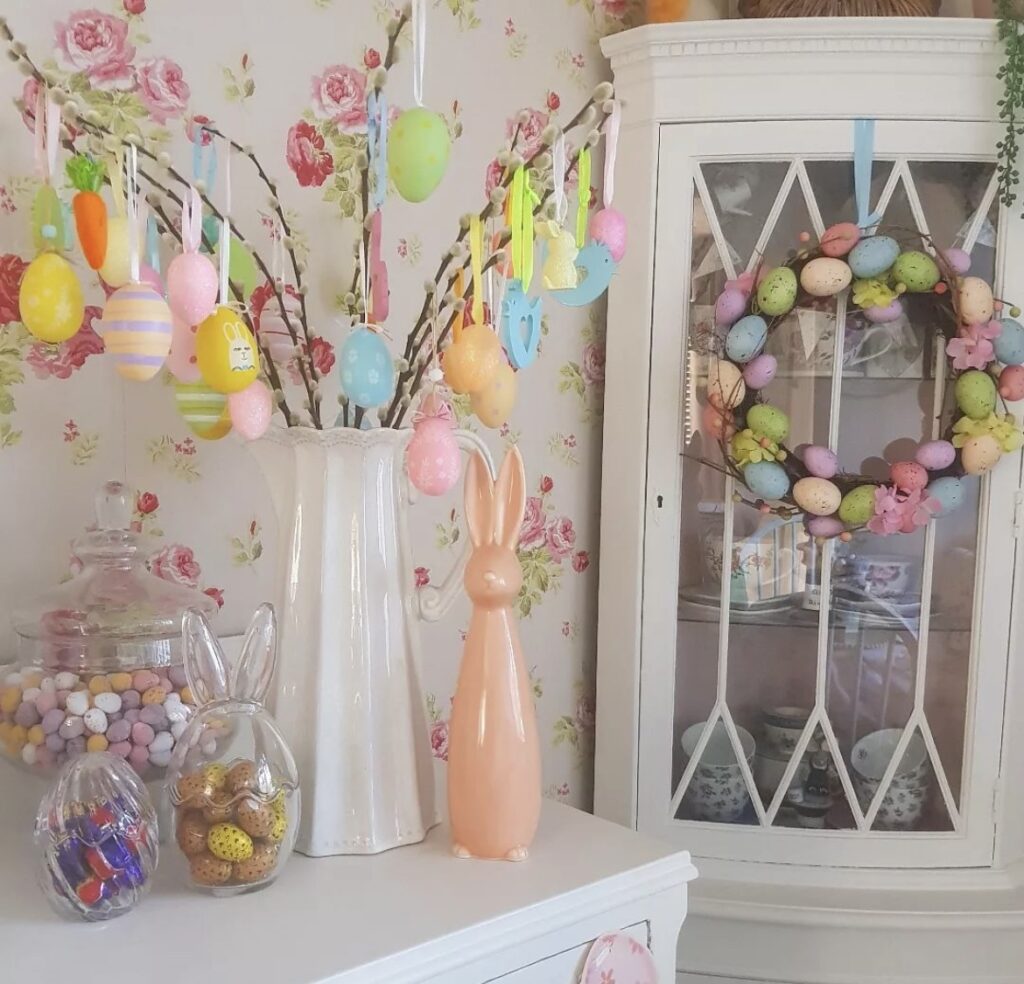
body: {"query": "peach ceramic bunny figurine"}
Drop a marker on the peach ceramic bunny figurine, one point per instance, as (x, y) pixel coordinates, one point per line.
(493, 748)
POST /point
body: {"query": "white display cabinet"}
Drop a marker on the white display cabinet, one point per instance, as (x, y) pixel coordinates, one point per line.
(873, 827)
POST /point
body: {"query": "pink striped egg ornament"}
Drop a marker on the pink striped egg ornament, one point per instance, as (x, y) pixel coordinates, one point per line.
(137, 331)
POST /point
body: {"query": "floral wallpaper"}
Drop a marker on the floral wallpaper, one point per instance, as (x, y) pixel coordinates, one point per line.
(293, 87)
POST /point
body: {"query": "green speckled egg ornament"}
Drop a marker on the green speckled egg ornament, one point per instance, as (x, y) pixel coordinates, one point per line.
(976, 394)
(770, 421)
(858, 506)
(418, 149)
(917, 271)
(776, 294)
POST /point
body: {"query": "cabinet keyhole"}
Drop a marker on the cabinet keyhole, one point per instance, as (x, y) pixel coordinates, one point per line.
(661, 501)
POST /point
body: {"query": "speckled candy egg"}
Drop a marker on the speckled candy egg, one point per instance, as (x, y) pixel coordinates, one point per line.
(935, 455)
(858, 505)
(255, 818)
(917, 271)
(228, 842)
(259, 866)
(242, 775)
(825, 276)
(825, 526)
(975, 394)
(190, 833)
(770, 421)
(206, 869)
(976, 301)
(746, 338)
(892, 311)
(908, 476)
(948, 492)
(980, 454)
(776, 294)
(1011, 383)
(766, 479)
(760, 371)
(817, 496)
(840, 238)
(1009, 344)
(725, 384)
(820, 461)
(729, 306)
(959, 261)
(873, 256)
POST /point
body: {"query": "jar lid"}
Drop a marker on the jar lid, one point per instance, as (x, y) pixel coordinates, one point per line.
(114, 614)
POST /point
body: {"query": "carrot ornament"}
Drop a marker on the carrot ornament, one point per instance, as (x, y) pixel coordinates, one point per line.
(90, 210)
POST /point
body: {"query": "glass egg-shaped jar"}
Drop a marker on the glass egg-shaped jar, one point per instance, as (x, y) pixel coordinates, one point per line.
(98, 665)
(232, 785)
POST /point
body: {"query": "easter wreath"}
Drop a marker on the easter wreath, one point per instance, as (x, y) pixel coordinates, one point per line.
(986, 363)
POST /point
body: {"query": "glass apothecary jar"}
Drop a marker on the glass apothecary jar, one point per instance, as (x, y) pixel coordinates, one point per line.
(98, 664)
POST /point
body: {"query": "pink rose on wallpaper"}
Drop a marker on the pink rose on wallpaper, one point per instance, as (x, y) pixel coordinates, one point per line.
(176, 563)
(340, 95)
(96, 44)
(146, 502)
(585, 714)
(554, 101)
(531, 533)
(547, 483)
(12, 269)
(529, 132)
(263, 299)
(307, 158)
(439, 740)
(371, 58)
(495, 172)
(162, 88)
(29, 95)
(422, 576)
(580, 561)
(593, 363)
(322, 355)
(561, 537)
(135, 7)
(68, 357)
(217, 594)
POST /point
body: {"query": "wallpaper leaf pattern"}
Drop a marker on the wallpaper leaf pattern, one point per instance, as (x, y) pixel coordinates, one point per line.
(67, 422)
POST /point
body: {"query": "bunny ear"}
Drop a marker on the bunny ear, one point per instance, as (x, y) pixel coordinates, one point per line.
(479, 501)
(510, 499)
(255, 670)
(206, 667)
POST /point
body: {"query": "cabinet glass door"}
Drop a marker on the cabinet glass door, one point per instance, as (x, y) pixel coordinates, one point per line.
(828, 689)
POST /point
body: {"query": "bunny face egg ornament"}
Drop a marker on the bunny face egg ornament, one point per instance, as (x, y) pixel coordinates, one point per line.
(226, 351)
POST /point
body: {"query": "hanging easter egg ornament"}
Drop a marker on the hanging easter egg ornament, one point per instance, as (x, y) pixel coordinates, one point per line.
(493, 404)
(90, 211)
(367, 369)
(47, 210)
(432, 458)
(50, 299)
(182, 362)
(608, 226)
(474, 356)
(192, 281)
(203, 409)
(419, 143)
(251, 409)
(226, 351)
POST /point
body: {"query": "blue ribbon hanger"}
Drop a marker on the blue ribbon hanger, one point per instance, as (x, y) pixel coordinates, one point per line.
(863, 160)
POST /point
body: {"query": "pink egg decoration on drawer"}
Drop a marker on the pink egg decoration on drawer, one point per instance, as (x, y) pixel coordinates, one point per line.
(837, 240)
(935, 455)
(608, 227)
(760, 371)
(730, 305)
(820, 461)
(251, 409)
(1011, 383)
(192, 287)
(909, 476)
(181, 360)
(432, 459)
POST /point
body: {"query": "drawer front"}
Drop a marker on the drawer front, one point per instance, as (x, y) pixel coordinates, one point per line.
(565, 967)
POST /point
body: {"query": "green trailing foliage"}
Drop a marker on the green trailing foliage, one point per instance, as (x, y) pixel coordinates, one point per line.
(1011, 106)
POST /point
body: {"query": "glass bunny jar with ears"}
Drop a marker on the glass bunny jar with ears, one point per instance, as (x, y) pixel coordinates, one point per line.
(232, 781)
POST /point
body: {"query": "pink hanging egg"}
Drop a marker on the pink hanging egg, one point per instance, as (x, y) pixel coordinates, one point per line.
(760, 371)
(820, 461)
(192, 287)
(251, 409)
(839, 239)
(1011, 383)
(884, 315)
(730, 305)
(909, 476)
(432, 459)
(272, 330)
(181, 361)
(825, 526)
(958, 260)
(608, 227)
(147, 275)
(936, 455)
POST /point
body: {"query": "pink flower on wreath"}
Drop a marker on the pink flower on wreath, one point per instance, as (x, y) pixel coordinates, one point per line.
(176, 563)
(530, 130)
(972, 348)
(898, 512)
(162, 88)
(311, 163)
(439, 740)
(339, 95)
(62, 360)
(593, 363)
(96, 44)
(560, 537)
(531, 533)
(12, 269)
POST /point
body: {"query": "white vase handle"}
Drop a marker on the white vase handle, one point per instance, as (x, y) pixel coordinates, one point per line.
(433, 602)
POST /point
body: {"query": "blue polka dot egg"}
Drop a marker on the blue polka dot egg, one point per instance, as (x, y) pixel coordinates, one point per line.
(367, 369)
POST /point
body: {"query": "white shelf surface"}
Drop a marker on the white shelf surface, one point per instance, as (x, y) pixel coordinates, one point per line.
(342, 919)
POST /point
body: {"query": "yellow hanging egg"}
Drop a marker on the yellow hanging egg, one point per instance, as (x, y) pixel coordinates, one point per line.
(51, 299)
(204, 410)
(493, 404)
(226, 352)
(471, 361)
(137, 331)
(116, 269)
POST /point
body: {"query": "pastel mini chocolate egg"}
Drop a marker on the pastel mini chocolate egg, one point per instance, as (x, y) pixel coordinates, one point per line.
(917, 271)
(975, 393)
(858, 505)
(773, 423)
(729, 306)
(726, 388)
(840, 238)
(817, 496)
(908, 476)
(935, 455)
(980, 454)
(746, 338)
(825, 526)
(892, 311)
(1009, 343)
(760, 371)
(959, 261)
(949, 492)
(776, 294)
(820, 461)
(206, 869)
(1011, 383)
(872, 256)
(766, 479)
(825, 276)
(229, 842)
(976, 301)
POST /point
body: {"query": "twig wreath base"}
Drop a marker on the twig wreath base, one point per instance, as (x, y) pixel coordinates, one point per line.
(879, 273)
